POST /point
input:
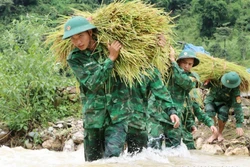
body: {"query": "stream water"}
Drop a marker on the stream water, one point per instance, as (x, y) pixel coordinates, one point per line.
(178, 157)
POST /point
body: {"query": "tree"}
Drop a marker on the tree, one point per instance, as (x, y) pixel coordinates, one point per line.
(213, 14)
(5, 5)
(223, 33)
(243, 44)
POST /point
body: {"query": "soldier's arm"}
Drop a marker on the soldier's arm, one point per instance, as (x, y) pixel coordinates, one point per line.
(236, 104)
(182, 79)
(190, 120)
(202, 116)
(90, 73)
(159, 90)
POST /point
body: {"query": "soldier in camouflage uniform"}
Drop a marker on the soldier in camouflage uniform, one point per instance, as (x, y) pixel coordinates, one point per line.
(194, 109)
(180, 83)
(220, 99)
(158, 124)
(137, 137)
(104, 98)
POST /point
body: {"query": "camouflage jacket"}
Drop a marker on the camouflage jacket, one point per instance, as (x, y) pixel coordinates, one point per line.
(194, 110)
(219, 94)
(180, 83)
(102, 95)
(140, 93)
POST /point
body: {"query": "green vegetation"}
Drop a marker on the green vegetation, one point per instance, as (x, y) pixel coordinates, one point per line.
(29, 80)
(28, 93)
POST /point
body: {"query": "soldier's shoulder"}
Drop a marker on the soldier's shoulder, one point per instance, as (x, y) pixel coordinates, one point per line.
(73, 53)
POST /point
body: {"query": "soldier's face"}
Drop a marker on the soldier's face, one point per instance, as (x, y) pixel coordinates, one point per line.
(186, 64)
(81, 40)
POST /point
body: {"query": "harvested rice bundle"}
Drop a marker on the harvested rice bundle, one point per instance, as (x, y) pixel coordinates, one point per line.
(136, 25)
(211, 68)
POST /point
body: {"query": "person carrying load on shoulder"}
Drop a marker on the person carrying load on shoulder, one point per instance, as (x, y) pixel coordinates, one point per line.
(105, 99)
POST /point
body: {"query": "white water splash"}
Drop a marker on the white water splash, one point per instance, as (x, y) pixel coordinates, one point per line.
(167, 157)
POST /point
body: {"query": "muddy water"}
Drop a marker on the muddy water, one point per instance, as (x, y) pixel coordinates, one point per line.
(179, 157)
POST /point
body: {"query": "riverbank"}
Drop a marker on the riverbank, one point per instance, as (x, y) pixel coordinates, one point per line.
(67, 135)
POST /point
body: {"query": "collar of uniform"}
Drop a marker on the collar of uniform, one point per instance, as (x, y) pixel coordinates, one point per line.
(85, 52)
(89, 52)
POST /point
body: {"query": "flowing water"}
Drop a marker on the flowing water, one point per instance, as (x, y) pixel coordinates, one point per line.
(179, 157)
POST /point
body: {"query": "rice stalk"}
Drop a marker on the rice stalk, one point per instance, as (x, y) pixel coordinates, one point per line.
(211, 68)
(136, 25)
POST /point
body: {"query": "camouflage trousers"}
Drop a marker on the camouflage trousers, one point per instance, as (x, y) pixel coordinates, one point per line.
(136, 140)
(188, 139)
(157, 134)
(105, 142)
(221, 110)
(174, 136)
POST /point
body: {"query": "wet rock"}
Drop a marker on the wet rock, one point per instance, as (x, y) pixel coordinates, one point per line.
(212, 148)
(246, 112)
(4, 136)
(73, 97)
(48, 144)
(238, 150)
(50, 129)
(77, 137)
(245, 102)
(71, 90)
(28, 145)
(69, 146)
(59, 125)
(56, 145)
(199, 143)
(79, 147)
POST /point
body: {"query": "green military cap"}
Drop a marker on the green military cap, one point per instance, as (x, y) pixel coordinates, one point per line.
(189, 54)
(76, 25)
(231, 79)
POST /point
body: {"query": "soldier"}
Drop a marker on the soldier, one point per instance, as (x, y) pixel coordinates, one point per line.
(158, 124)
(220, 99)
(137, 132)
(179, 84)
(194, 109)
(104, 98)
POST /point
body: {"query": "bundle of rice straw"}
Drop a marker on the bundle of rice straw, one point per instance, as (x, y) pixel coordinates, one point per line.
(136, 25)
(211, 68)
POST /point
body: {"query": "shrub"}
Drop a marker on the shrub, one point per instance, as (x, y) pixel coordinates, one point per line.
(28, 81)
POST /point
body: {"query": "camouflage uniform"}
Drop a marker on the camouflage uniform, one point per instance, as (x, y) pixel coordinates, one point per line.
(138, 134)
(158, 124)
(180, 83)
(105, 103)
(194, 109)
(220, 99)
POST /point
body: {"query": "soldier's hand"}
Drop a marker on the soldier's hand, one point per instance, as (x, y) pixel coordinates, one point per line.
(171, 54)
(239, 131)
(194, 129)
(214, 130)
(114, 49)
(161, 40)
(175, 119)
(206, 82)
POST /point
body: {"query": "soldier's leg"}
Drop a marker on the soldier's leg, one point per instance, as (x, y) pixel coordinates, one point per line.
(211, 112)
(136, 139)
(188, 139)
(222, 119)
(93, 144)
(156, 135)
(115, 137)
(173, 136)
